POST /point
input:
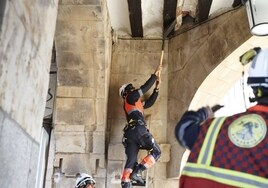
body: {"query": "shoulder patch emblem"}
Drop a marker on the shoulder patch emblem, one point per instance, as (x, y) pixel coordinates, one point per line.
(247, 131)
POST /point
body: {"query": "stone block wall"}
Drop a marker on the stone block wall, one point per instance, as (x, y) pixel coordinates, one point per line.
(26, 39)
(83, 48)
(26, 45)
(19, 154)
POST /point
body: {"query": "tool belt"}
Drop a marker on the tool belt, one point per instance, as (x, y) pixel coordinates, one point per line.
(131, 124)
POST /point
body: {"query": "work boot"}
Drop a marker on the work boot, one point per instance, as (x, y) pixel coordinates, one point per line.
(136, 174)
(126, 184)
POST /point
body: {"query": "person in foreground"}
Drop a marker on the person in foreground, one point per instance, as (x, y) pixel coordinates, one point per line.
(136, 134)
(229, 151)
(84, 180)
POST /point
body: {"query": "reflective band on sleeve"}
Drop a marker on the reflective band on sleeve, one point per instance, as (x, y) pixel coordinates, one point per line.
(229, 177)
(140, 92)
(182, 129)
(208, 146)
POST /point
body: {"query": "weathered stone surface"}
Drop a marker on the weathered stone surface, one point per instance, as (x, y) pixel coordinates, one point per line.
(158, 130)
(79, 12)
(100, 110)
(114, 173)
(116, 152)
(116, 130)
(76, 60)
(82, 28)
(97, 161)
(165, 153)
(14, 142)
(67, 91)
(61, 181)
(75, 111)
(79, 2)
(26, 38)
(71, 142)
(76, 77)
(98, 142)
(71, 164)
(78, 43)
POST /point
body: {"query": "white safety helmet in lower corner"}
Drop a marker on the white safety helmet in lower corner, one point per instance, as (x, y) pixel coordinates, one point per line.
(84, 179)
(258, 70)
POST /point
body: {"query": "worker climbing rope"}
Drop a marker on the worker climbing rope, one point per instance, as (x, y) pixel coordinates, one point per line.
(136, 134)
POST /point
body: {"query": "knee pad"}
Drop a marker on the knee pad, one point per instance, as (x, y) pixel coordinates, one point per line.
(148, 143)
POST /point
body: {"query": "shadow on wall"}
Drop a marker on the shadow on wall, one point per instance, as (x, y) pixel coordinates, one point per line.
(2, 11)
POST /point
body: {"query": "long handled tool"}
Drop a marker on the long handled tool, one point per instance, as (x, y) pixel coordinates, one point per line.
(165, 34)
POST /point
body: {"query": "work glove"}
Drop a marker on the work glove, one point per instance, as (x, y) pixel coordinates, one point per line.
(158, 71)
(157, 83)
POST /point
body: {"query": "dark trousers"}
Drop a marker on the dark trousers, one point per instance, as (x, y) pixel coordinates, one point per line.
(138, 137)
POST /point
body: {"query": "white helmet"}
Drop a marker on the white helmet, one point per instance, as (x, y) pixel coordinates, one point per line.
(84, 179)
(123, 88)
(258, 71)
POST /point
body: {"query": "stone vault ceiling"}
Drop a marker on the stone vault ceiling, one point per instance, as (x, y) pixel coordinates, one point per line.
(149, 18)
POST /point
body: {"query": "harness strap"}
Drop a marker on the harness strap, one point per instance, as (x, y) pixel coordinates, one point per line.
(132, 123)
